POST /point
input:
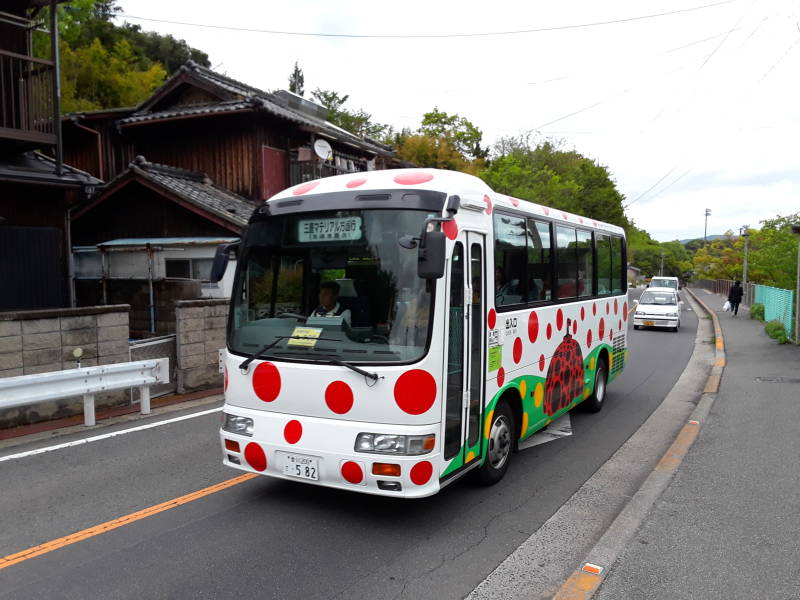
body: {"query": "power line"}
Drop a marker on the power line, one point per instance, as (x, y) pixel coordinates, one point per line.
(647, 191)
(432, 35)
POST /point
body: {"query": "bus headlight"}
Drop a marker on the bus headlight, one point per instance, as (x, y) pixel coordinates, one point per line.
(388, 443)
(237, 424)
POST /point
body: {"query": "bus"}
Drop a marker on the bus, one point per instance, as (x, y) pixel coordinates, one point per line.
(392, 331)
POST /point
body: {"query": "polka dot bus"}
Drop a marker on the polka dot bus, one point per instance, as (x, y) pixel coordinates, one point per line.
(392, 331)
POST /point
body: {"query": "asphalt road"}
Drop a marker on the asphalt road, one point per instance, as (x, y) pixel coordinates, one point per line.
(274, 539)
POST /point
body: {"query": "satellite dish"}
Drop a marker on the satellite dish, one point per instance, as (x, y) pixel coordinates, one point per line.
(323, 149)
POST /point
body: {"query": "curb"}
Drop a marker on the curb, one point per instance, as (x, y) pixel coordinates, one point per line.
(587, 579)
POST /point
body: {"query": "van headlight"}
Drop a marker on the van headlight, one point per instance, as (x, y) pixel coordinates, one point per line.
(389, 443)
(237, 424)
(672, 314)
(639, 313)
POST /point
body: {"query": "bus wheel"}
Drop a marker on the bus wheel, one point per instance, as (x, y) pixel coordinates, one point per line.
(500, 446)
(594, 402)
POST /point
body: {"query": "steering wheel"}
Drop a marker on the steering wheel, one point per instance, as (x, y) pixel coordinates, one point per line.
(285, 315)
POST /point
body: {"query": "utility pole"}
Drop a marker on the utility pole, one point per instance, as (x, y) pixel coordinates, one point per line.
(796, 232)
(662, 264)
(705, 229)
(744, 231)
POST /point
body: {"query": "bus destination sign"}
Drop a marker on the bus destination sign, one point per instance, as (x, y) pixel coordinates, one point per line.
(332, 229)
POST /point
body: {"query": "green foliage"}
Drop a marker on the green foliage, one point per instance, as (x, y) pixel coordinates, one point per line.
(776, 331)
(757, 311)
(772, 255)
(297, 80)
(434, 152)
(460, 133)
(104, 65)
(358, 122)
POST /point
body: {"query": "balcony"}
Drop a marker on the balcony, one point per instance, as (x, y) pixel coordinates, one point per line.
(26, 101)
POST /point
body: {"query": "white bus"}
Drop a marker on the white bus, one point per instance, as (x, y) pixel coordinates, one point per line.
(392, 331)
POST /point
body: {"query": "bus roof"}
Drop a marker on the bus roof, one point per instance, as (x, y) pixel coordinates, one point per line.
(438, 180)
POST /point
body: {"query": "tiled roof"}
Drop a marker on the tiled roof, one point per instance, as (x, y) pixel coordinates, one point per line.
(197, 189)
(37, 167)
(249, 97)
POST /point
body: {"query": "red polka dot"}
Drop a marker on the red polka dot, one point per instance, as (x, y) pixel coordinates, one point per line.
(581, 220)
(354, 183)
(601, 331)
(533, 326)
(501, 377)
(421, 472)
(541, 362)
(514, 201)
(412, 178)
(594, 223)
(594, 309)
(619, 325)
(625, 311)
(352, 472)
(415, 391)
(566, 218)
(305, 188)
(559, 319)
(549, 331)
(293, 431)
(255, 457)
(339, 397)
(610, 335)
(267, 381)
(589, 339)
(546, 210)
(488, 204)
(583, 313)
(450, 229)
(225, 383)
(492, 318)
(517, 350)
(608, 308)
(574, 327)
(616, 306)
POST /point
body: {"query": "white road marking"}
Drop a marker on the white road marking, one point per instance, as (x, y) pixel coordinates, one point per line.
(105, 436)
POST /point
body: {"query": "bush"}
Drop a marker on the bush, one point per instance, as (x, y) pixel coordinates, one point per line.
(757, 312)
(776, 331)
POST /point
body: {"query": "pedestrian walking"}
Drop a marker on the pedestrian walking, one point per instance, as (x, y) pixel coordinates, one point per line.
(735, 297)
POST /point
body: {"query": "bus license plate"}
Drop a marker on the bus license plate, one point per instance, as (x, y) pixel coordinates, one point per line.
(302, 467)
(649, 323)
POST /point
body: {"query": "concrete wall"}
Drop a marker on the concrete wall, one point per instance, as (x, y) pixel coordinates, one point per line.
(200, 334)
(39, 341)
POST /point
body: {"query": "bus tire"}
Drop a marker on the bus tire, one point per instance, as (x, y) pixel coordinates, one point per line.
(594, 403)
(500, 445)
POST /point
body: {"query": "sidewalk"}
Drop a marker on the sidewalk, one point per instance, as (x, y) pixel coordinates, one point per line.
(728, 525)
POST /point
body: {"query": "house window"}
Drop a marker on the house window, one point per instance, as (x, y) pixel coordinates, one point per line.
(189, 268)
(179, 269)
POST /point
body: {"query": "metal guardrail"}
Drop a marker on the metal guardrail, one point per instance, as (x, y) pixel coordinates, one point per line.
(25, 390)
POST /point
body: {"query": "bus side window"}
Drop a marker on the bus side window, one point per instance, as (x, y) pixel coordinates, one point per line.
(603, 253)
(539, 256)
(617, 268)
(566, 262)
(510, 260)
(585, 264)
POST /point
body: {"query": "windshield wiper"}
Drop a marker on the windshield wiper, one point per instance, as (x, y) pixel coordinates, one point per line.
(258, 353)
(335, 361)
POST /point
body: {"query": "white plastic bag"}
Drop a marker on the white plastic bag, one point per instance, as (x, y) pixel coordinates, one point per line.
(727, 306)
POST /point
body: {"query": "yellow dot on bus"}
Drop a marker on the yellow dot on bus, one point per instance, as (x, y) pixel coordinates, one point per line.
(610, 361)
(586, 393)
(538, 395)
(591, 364)
(548, 421)
(524, 428)
(470, 456)
(488, 426)
(522, 389)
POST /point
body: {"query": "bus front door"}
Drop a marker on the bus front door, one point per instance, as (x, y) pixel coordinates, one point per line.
(465, 351)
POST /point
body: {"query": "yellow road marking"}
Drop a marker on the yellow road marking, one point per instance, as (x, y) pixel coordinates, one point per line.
(580, 586)
(712, 384)
(673, 457)
(18, 557)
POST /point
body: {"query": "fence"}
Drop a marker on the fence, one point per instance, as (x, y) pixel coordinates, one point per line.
(152, 348)
(778, 303)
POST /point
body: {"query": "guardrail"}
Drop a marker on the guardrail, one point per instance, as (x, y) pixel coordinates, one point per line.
(25, 390)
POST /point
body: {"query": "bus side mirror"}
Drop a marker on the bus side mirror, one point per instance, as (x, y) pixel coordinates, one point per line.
(430, 263)
(221, 261)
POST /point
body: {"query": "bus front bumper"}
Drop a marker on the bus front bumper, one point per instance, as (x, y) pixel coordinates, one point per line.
(321, 452)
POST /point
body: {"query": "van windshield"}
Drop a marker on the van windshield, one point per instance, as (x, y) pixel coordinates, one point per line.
(332, 285)
(667, 299)
(669, 283)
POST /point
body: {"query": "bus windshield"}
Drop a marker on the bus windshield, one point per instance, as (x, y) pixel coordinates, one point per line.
(332, 285)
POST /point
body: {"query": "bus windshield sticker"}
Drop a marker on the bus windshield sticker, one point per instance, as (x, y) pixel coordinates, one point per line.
(495, 358)
(304, 336)
(329, 229)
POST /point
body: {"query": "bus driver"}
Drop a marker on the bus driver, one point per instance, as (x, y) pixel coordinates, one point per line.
(329, 302)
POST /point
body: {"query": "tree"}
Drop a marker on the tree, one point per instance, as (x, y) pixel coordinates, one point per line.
(434, 152)
(297, 80)
(458, 131)
(358, 122)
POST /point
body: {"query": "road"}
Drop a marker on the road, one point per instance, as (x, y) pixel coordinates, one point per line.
(274, 539)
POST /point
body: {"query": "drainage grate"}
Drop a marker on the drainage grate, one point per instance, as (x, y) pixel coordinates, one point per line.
(777, 379)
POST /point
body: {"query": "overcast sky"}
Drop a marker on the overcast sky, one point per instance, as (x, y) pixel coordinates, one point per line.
(689, 111)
